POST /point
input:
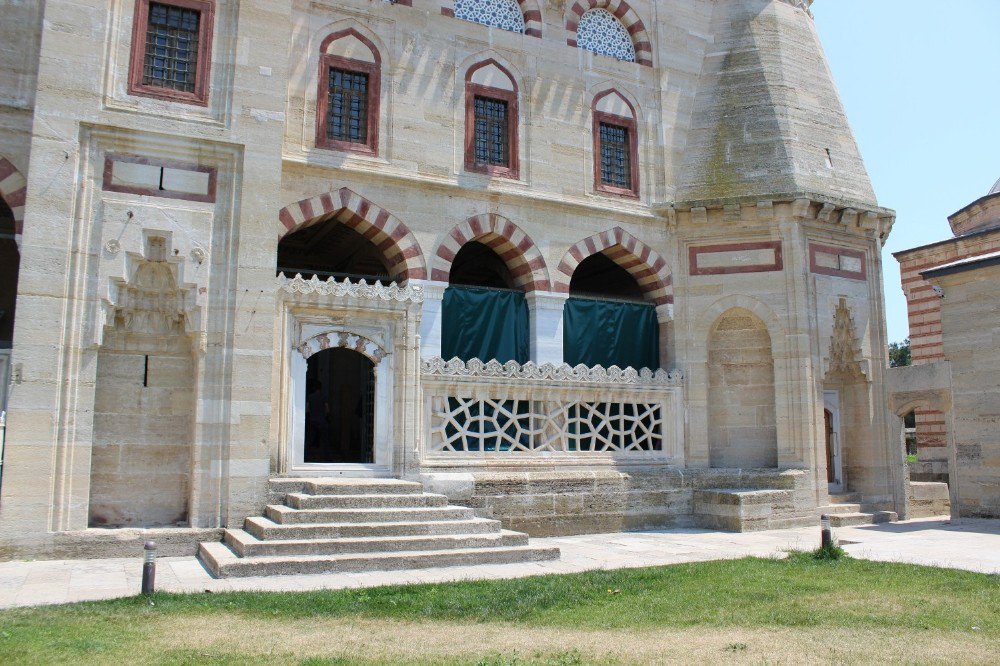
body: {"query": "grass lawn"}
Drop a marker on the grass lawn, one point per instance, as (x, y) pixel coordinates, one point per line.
(743, 611)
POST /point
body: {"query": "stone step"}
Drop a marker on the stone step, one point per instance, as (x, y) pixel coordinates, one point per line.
(832, 509)
(287, 515)
(845, 498)
(266, 529)
(862, 518)
(355, 486)
(848, 519)
(245, 544)
(383, 500)
(223, 562)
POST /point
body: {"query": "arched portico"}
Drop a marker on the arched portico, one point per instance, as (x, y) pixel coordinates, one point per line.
(403, 256)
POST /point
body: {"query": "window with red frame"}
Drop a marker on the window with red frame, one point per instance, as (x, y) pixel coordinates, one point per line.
(492, 140)
(171, 49)
(347, 110)
(616, 163)
(491, 130)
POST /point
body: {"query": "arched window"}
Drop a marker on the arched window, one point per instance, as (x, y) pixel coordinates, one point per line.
(503, 14)
(491, 120)
(616, 145)
(483, 315)
(607, 319)
(600, 32)
(347, 101)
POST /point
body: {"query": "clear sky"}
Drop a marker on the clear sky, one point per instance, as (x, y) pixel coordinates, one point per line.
(920, 80)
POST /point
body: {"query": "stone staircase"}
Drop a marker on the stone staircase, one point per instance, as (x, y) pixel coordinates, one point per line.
(335, 525)
(845, 509)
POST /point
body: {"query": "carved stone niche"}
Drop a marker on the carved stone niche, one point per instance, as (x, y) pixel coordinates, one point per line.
(150, 311)
(845, 361)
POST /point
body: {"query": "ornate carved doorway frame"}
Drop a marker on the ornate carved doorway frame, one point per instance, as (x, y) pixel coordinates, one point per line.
(316, 336)
(377, 321)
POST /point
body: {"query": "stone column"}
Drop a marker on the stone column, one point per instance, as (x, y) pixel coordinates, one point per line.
(665, 318)
(430, 319)
(545, 314)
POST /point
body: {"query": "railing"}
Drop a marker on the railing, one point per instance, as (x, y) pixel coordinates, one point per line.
(493, 410)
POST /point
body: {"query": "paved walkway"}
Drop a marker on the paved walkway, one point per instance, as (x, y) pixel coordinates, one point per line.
(973, 545)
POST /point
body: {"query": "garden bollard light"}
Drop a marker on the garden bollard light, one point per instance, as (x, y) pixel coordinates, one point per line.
(149, 568)
(824, 522)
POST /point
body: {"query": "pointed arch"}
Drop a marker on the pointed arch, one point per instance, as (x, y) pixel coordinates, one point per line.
(622, 11)
(509, 241)
(646, 265)
(394, 239)
(13, 189)
(343, 339)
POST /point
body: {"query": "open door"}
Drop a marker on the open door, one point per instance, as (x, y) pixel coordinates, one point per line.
(834, 450)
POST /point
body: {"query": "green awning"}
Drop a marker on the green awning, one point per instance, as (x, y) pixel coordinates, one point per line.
(598, 332)
(478, 322)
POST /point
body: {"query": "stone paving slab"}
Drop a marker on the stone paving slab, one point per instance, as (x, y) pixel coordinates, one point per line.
(973, 545)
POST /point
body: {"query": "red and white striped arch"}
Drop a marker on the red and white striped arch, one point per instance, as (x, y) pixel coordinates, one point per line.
(13, 189)
(643, 263)
(509, 241)
(530, 9)
(394, 239)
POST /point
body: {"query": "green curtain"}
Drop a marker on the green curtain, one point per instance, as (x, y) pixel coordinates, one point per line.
(597, 332)
(482, 323)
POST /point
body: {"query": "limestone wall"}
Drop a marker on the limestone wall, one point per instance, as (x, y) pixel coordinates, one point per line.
(970, 319)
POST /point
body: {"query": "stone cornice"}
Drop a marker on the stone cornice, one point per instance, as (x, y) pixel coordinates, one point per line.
(808, 207)
(360, 290)
(804, 5)
(563, 373)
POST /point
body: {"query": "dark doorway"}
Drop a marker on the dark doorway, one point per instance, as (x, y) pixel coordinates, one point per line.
(340, 407)
(831, 473)
(10, 259)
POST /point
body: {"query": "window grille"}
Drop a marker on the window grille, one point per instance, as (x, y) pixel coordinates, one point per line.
(347, 117)
(616, 167)
(491, 136)
(503, 14)
(599, 31)
(171, 59)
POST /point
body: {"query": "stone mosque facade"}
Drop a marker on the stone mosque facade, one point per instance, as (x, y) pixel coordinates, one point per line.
(574, 265)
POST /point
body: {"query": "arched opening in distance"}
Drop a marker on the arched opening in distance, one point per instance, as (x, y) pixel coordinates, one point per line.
(607, 319)
(339, 407)
(331, 249)
(484, 315)
(10, 260)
